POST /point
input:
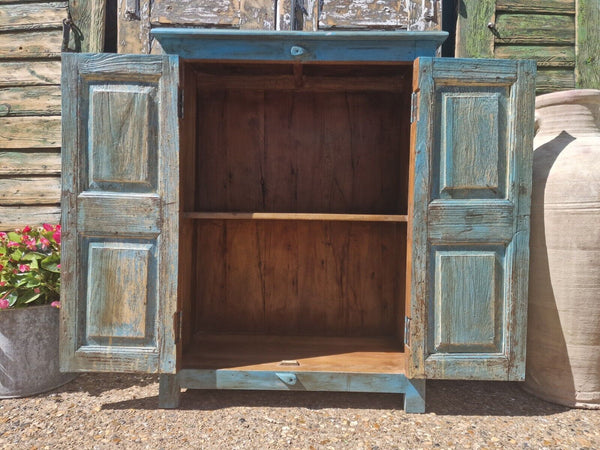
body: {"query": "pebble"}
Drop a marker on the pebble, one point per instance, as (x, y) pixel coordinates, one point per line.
(106, 411)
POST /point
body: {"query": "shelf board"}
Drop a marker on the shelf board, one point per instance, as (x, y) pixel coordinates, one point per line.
(296, 216)
(278, 353)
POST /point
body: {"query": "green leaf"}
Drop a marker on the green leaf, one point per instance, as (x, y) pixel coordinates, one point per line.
(51, 263)
(33, 256)
(30, 297)
(17, 254)
(14, 237)
(12, 298)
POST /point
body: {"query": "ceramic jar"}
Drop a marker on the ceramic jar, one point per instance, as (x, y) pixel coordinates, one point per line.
(563, 344)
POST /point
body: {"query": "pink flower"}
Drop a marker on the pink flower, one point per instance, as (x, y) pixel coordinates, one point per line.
(24, 268)
(55, 304)
(36, 290)
(4, 303)
(3, 235)
(56, 236)
(12, 244)
(1, 267)
(57, 227)
(45, 242)
(58, 266)
(2, 283)
(48, 227)
(29, 242)
(27, 229)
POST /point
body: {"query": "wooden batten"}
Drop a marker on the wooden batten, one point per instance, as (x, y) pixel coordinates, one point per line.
(30, 108)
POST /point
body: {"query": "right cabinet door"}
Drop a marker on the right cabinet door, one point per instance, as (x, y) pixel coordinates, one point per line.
(472, 136)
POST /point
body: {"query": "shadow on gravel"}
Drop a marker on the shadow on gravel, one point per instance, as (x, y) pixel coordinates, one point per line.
(95, 384)
(469, 398)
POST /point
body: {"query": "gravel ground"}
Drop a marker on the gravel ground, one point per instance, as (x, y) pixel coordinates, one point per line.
(120, 411)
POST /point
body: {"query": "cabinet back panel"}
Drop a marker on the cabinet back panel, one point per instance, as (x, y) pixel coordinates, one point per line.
(299, 278)
(303, 150)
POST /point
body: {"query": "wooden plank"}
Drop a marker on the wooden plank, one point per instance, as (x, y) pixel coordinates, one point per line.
(363, 14)
(298, 277)
(545, 55)
(550, 80)
(313, 354)
(424, 15)
(284, 15)
(89, 17)
(587, 71)
(297, 216)
(545, 7)
(26, 73)
(196, 12)
(29, 163)
(257, 14)
(30, 191)
(32, 16)
(30, 101)
(473, 37)
(30, 132)
(12, 217)
(546, 29)
(133, 26)
(34, 44)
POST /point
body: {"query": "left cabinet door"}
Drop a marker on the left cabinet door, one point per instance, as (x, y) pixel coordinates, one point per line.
(120, 207)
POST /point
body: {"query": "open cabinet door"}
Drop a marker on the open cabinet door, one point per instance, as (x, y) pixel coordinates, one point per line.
(471, 159)
(120, 200)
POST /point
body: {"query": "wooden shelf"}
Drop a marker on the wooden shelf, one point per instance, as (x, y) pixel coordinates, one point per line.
(296, 216)
(312, 353)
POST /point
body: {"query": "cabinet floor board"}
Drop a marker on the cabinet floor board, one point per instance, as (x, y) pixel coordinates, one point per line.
(281, 353)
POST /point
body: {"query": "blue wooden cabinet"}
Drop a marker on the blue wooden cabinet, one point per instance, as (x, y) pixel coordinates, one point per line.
(308, 211)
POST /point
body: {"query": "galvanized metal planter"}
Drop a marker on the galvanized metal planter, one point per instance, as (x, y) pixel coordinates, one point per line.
(29, 351)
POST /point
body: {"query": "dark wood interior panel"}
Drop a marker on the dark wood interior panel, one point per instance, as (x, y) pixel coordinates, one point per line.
(299, 278)
(300, 150)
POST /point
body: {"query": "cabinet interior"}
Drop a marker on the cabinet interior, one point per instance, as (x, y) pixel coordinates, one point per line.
(294, 191)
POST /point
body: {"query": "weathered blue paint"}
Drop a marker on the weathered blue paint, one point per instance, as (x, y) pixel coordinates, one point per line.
(305, 46)
(120, 212)
(472, 177)
(413, 390)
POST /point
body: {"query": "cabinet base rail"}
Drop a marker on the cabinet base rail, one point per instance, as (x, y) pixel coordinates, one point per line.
(413, 389)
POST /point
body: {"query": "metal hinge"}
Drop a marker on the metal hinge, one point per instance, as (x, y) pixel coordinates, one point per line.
(180, 103)
(177, 326)
(407, 331)
(414, 106)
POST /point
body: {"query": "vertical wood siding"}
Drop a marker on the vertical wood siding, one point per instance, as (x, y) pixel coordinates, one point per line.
(546, 31)
(30, 125)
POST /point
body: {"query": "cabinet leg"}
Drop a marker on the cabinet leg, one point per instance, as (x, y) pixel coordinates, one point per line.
(414, 399)
(168, 391)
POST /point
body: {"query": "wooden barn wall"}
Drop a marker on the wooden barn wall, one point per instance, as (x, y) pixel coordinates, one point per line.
(561, 35)
(30, 127)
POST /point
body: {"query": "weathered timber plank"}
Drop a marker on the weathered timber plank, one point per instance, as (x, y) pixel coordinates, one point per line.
(357, 14)
(12, 217)
(587, 71)
(549, 80)
(25, 73)
(30, 191)
(196, 12)
(547, 29)
(473, 38)
(555, 56)
(133, 26)
(257, 14)
(30, 101)
(425, 15)
(29, 163)
(32, 16)
(30, 132)
(35, 44)
(284, 15)
(547, 6)
(89, 17)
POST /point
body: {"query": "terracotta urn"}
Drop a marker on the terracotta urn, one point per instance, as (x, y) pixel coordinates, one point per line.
(563, 344)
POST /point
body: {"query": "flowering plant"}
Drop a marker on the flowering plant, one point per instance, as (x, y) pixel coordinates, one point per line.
(30, 267)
